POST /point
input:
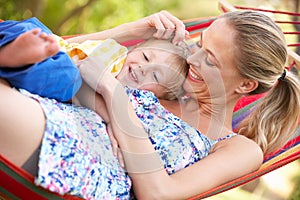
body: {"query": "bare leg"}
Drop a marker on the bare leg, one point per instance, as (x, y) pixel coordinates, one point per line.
(29, 48)
(22, 124)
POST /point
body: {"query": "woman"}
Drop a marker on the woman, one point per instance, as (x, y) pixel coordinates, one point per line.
(249, 60)
(209, 109)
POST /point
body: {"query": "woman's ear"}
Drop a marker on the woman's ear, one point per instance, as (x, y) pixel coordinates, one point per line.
(247, 86)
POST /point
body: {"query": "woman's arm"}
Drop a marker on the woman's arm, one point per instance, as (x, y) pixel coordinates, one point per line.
(159, 25)
(230, 158)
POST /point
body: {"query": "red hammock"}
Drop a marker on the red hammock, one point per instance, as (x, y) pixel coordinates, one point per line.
(15, 183)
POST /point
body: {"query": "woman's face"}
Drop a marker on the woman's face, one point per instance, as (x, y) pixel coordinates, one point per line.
(212, 72)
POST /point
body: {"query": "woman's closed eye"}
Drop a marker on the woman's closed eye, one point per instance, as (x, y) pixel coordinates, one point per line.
(208, 61)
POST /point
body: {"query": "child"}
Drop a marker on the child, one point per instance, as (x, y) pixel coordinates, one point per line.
(154, 65)
(30, 69)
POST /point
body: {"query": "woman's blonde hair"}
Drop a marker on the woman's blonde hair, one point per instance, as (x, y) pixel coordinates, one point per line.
(177, 61)
(261, 56)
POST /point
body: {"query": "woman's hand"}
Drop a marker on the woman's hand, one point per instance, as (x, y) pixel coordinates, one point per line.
(161, 25)
(115, 145)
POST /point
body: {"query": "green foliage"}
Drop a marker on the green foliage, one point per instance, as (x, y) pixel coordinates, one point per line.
(66, 17)
(8, 10)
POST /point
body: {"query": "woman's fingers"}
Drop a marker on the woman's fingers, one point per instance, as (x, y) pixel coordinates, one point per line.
(168, 26)
(114, 143)
(161, 25)
(167, 20)
(121, 159)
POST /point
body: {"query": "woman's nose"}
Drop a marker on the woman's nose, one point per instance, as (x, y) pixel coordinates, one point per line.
(195, 58)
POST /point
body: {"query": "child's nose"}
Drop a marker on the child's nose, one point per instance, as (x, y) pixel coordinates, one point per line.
(139, 68)
(136, 66)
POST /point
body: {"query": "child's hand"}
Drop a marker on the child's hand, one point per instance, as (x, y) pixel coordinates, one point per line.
(93, 71)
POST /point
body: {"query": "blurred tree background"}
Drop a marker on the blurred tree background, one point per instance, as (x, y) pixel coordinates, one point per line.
(65, 17)
(69, 17)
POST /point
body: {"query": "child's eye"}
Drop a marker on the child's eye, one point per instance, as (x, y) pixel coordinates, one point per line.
(146, 57)
(155, 77)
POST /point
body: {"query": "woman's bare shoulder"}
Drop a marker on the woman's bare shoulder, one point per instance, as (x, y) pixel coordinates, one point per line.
(243, 149)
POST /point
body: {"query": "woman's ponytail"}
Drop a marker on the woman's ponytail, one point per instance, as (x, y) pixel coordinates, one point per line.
(273, 121)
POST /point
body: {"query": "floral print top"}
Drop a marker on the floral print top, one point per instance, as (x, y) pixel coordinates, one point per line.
(178, 144)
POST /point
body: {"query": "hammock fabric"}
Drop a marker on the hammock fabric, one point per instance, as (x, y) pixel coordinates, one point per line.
(16, 183)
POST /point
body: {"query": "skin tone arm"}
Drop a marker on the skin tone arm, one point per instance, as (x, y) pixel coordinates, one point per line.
(88, 98)
(150, 180)
(159, 25)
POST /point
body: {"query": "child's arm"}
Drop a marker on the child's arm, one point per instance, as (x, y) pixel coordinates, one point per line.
(89, 98)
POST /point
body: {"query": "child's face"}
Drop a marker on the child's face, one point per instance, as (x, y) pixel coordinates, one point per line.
(148, 69)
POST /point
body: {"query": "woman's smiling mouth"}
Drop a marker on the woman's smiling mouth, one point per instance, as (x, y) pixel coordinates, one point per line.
(193, 76)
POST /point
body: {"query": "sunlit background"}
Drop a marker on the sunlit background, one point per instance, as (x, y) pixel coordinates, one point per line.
(69, 17)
